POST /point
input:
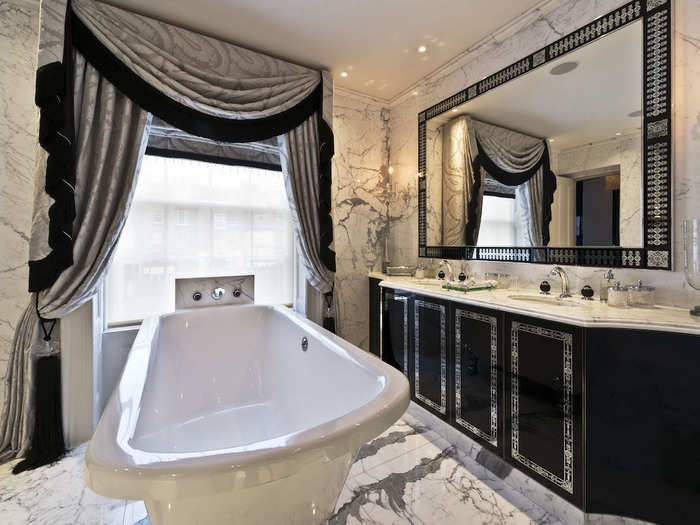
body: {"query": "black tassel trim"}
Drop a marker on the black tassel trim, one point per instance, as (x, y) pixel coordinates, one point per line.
(54, 96)
(47, 442)
(327, 150)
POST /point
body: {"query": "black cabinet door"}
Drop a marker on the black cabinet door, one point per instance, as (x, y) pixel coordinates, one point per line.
(430, 354)
(543, 403)
(395, 329)
(477, 375)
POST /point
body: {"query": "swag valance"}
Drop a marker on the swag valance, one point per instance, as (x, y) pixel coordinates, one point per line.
(167, 141)
(197, 84)
(120, 72)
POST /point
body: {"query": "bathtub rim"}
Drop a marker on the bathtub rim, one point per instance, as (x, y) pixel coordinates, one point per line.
(113, 468)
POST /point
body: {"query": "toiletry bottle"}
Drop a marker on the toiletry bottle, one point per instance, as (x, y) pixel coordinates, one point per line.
(606, 282)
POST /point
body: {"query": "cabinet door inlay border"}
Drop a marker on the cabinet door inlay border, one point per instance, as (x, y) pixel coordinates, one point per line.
(442, 407)
(493, 322)
(404, 300)
(567, 483)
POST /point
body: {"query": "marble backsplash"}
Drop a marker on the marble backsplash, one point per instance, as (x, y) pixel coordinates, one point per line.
(18, 144)
(546, 26)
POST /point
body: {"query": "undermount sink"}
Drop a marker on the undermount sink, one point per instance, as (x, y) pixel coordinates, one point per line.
(544, 299)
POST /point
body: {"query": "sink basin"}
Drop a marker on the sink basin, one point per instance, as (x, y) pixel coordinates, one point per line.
(544, 299)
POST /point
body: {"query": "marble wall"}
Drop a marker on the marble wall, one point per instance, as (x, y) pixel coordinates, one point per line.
(539, 28)
(18, 143)
(361, 192)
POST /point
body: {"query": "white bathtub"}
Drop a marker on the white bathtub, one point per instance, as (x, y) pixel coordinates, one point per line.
(220, 417)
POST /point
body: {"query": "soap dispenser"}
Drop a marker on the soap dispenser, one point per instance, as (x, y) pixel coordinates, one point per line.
(606, 282)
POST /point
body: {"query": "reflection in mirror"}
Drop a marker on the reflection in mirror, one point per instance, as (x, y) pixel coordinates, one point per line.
(552, 158)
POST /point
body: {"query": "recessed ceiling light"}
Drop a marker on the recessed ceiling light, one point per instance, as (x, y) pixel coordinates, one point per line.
(563, 68)
(344, 74)
(422, 49)
(454, 110)
(551, 140)
(618, 134)
(415, 93)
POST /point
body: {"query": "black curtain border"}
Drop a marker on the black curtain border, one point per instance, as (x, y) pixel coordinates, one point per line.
(214, 159)
(54, 97)
(177, 114)
(508, 178)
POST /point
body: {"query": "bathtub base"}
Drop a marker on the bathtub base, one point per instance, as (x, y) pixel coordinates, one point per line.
(306, 498)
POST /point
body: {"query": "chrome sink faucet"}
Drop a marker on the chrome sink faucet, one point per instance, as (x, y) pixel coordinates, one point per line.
(451, 274)
(559, 271)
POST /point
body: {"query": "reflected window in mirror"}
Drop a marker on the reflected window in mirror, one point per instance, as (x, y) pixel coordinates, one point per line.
(498, 222)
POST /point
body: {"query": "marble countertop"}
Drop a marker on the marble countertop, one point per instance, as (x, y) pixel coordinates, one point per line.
(572, 311)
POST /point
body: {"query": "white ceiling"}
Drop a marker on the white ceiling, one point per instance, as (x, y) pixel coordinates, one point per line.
(589, 104)
(375, 41)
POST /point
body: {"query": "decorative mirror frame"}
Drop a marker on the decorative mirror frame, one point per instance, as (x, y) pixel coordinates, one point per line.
(656, 154)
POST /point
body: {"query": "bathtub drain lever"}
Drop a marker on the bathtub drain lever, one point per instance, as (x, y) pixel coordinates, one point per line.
(304, 344)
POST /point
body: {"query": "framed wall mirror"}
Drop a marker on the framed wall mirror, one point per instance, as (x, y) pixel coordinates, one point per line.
(563, 157)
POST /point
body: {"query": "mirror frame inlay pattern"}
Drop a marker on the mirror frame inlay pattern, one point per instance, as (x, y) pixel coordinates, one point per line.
(656, 154)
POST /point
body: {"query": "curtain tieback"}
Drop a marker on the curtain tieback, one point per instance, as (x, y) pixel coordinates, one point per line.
(43, 322)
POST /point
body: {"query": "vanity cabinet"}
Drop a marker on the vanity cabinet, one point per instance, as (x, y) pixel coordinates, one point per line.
(626, 445)
(477, 374)
(543, 403)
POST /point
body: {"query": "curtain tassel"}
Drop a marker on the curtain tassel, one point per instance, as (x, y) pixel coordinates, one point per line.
(43, 322)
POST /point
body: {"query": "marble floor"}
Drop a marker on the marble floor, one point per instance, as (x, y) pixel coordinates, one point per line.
(408, 475)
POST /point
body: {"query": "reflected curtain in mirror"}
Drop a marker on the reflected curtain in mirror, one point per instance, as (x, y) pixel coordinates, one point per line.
(516, 159)
(477, 155)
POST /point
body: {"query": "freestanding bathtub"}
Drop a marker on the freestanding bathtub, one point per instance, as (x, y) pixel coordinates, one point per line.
(222, 416)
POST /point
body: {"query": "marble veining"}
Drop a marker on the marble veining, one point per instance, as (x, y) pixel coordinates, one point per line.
(414, 477)
(18, 141)
(361, 194)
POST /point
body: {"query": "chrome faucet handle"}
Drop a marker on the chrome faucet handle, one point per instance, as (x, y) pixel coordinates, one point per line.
(236, 292)
(217, 293)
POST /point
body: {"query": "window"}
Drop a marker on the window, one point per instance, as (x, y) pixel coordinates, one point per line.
(498, 224)
(198, 219)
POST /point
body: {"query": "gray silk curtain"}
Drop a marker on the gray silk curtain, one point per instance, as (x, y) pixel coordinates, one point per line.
(299, 155)
(111, 133)
(459, 186)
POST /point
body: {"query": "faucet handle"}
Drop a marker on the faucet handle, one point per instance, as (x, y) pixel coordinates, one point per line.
(217, 293)
(545, 287)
